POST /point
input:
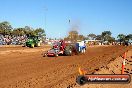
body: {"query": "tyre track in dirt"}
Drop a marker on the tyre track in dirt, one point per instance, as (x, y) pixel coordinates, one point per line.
(34, 71)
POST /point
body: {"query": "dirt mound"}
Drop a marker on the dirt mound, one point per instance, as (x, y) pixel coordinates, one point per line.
(32, 70)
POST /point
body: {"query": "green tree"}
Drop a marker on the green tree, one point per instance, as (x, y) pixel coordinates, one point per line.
(128, 37)
(98, 37)
(121, 37)
(40, 32)
(28, 30)
(5, 28)
(111, 39)
(106, 35)
(81, 37)
(91, 36)
(18, 31)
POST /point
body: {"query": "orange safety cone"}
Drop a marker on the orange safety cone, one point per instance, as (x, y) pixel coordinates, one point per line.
(82, 72)
(123, 63)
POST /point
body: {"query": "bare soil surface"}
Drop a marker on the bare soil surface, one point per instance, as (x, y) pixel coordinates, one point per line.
(114, 67)
(22, 67)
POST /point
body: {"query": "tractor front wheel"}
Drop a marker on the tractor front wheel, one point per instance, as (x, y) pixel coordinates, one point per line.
(32, 45)
(38, 44)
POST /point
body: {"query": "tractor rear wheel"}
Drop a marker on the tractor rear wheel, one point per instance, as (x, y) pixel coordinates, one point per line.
(68, 51)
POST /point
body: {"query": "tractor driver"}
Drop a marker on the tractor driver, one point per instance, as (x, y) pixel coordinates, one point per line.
(62, 45)
(55, 45)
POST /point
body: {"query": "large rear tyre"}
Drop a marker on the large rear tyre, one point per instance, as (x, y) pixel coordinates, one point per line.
(68, 52)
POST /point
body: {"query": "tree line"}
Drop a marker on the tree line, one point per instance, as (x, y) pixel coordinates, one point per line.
(7, 29)
(104, 36)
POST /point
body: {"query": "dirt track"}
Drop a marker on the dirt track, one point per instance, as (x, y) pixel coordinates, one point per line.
(22, 67)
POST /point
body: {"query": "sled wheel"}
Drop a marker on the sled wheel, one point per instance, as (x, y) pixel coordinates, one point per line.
(45, 55)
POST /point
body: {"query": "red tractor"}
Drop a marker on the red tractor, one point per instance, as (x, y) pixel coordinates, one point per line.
(59, 48)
